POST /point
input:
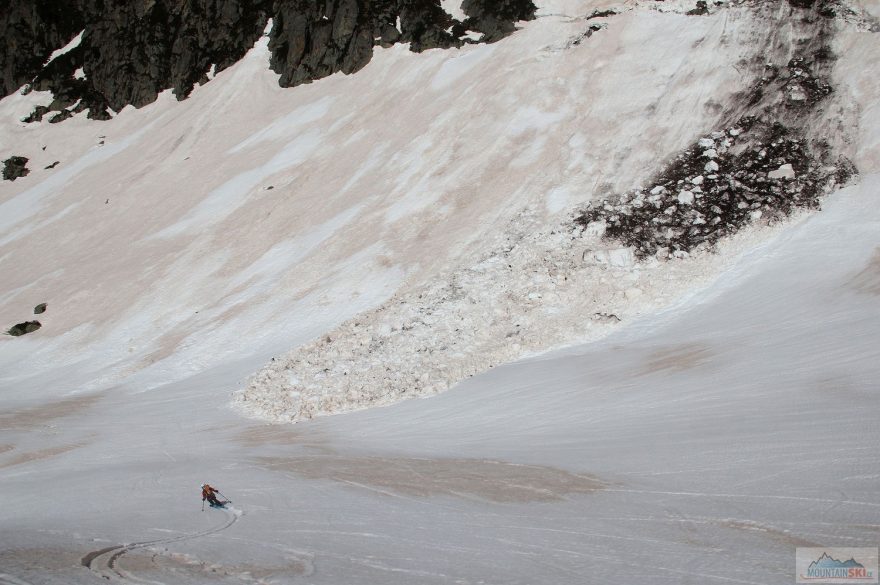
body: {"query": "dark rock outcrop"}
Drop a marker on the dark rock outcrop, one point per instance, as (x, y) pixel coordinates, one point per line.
(496, 18)
(15, 167)
(130, 51)
(30, 32)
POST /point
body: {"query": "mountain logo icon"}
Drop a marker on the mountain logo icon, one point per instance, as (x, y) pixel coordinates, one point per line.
(836, 565)
(828, 562)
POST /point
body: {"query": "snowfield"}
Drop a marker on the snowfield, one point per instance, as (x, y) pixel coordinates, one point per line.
(288, 253)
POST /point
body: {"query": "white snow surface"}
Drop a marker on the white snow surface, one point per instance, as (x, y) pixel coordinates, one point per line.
(727, 418)
(71, 45)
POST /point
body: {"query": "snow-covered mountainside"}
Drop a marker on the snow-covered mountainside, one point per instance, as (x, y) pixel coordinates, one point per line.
(249, 219)
(216, 215)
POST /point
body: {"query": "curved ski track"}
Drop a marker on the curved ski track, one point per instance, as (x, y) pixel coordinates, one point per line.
(103, 561)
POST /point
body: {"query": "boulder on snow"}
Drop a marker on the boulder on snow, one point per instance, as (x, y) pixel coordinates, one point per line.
(22, 328)
(700, 9)
(40, 309)
(15, 167)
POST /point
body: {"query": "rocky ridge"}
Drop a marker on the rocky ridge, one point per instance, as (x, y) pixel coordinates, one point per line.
(128, 52)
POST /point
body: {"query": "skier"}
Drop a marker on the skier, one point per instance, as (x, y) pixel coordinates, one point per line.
(210, 494)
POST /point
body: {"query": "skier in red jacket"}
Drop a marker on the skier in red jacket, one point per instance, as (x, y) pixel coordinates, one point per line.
(210, 494)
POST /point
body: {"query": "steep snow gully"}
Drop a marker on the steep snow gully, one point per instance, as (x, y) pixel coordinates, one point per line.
(681, 199)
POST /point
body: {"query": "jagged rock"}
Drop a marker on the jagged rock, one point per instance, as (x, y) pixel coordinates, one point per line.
(15, 167)
(40, 309)
(164, 44)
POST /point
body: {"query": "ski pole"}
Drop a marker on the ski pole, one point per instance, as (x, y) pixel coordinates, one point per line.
(203, 505)
(224, 496)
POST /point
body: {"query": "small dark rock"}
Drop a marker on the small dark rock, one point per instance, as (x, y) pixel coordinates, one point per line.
(40, 309)
(601, 14)
(53, 165)
(701, 9)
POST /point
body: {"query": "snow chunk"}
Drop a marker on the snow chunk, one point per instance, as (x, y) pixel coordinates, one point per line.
(706, 143)
(453, 8)
(621, 257)
(698, 180)
(711, 166)
(785, 171)
(596, 229)
(797, 94)
(74, 43)
(710, 153)
(618, 258)
(686, 198)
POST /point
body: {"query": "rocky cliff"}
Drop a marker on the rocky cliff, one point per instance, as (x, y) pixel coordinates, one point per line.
(128, 52)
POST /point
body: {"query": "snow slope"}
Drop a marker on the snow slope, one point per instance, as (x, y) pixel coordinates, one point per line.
(700, 443)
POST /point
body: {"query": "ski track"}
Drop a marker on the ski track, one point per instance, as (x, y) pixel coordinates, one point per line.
(103, 561)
